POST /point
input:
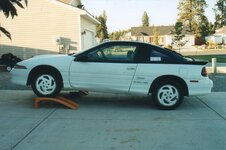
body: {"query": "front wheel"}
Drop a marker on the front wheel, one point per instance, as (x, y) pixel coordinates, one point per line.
(167, 95)
(46, 84)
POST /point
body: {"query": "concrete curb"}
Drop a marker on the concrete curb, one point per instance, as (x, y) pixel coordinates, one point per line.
(219, 69)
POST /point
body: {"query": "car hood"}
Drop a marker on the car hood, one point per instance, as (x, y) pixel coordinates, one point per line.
(57, 61)
(55, 56)
(49, 56)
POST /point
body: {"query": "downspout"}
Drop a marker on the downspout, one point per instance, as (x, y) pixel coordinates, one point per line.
(80, 33)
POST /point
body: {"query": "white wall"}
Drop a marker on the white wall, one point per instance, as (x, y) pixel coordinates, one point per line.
(88, 33)
(39, 25)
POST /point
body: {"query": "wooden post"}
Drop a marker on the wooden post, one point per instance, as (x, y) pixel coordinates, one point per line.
(214, 65)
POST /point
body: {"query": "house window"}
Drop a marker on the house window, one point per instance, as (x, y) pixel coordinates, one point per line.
(150, 39)
(162, 39)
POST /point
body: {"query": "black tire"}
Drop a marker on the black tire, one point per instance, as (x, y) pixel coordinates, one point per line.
(46, 84)
(167, 95)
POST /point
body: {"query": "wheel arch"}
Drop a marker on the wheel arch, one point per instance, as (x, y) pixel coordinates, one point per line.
(43, 68)
(170, 78)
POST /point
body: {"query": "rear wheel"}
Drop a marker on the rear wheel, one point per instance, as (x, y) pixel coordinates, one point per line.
(167, 95)
(46, 84)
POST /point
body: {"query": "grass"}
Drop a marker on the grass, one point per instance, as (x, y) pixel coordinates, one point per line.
(220, 58)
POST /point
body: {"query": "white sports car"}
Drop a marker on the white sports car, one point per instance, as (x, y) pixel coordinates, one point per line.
(117, 67)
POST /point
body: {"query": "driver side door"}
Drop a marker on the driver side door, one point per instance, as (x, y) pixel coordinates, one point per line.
(109, 68)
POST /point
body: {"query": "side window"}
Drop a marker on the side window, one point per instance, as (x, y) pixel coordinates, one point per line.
(96, 55)
(142, 54)
(157, 56)
(116, 53)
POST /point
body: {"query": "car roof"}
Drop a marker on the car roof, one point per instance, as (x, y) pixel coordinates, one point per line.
(128, 42)
(162, 49)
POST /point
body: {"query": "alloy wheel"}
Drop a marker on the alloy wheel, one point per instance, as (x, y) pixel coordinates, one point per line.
(45, 84)
(168, 95)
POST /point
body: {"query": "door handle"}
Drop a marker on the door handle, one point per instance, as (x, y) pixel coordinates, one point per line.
(131, 68)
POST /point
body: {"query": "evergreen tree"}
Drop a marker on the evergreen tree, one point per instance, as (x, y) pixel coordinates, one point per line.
(211, 28)
(117, 34)
(220, 14)
(145, 19)
(178, 35)
(156, 36)
(190, 13)
(8, 8)
(203, 27)
(101, 29)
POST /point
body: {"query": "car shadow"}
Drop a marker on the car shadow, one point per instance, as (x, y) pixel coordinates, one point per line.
(111, 100)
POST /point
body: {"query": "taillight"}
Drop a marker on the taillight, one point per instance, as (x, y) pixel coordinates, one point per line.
(204, 72)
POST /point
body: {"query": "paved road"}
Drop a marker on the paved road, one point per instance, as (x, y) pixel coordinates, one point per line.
(112, 122)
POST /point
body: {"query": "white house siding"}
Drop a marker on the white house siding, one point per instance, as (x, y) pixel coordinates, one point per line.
(168, 39)
(88, 30)
(22, 52)
(164, 39)
(219, 37)
(37, 27)
(214, 38)
(140, 38)
(189, 38)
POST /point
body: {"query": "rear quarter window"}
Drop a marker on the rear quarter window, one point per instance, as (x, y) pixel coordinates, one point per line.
(165, 56)
(157, 56)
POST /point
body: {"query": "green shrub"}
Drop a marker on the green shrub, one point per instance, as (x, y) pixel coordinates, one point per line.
(211, 44)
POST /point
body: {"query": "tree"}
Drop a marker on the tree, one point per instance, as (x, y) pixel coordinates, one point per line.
(117, 35)
(8, 8)
(156, 36)
(101, 29)
(211, 28)
(178, 35)
(220, 14)
(145, 19)
(203, 27)
(190, 13)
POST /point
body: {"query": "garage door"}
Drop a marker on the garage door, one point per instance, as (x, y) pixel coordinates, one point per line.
(88, 39)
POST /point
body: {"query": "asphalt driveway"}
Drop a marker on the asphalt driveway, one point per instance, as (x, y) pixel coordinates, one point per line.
(111, 122)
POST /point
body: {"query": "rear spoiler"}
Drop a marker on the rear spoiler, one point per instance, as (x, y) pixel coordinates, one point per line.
(196, 62)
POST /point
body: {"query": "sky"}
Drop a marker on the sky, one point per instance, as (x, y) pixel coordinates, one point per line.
(124, 14)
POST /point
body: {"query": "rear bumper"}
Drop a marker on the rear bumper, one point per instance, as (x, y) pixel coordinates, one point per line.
(201, 87)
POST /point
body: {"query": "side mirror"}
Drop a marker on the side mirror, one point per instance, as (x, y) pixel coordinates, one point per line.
(81, 58)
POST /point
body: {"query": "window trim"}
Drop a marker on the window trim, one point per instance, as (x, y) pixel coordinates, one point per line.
(108, 46)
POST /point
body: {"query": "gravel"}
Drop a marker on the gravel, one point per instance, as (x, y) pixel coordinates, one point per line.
(219, 82)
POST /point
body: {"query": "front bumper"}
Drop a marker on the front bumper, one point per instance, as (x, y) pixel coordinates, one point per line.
(19, 76)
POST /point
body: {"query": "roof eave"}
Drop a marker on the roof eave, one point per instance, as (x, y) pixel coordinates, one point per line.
(81, 12)
(89, 17)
